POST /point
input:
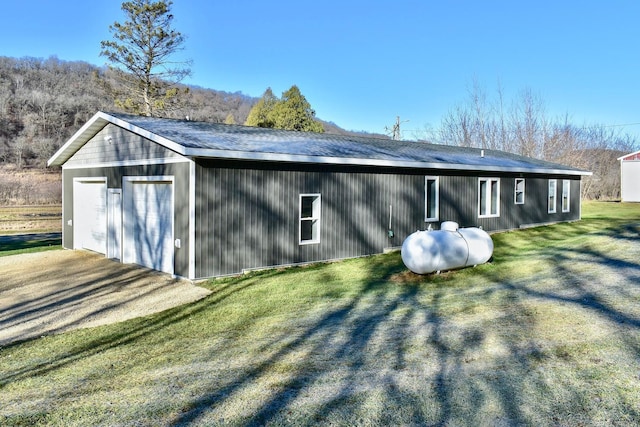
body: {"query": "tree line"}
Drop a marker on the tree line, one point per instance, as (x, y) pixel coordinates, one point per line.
(522, 126)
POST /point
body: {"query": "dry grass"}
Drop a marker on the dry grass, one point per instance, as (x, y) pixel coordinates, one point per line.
(30, 219)
(29, 186)
(546, 334)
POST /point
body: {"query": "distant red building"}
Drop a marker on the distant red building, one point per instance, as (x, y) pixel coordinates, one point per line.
(630, 177)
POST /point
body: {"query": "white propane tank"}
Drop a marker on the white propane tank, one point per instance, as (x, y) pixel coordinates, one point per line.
(449, 226)
(425, 252)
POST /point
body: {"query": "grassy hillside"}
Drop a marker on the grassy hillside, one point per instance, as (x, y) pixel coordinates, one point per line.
(548, 333)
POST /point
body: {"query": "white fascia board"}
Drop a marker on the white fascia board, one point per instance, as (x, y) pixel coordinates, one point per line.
(93, 126)
(294, 158)
(86, 132)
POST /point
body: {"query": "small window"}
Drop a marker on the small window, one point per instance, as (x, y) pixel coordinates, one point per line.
(551, 205)
(488, 197)
(309, 224)
(432, 198)
(566, 195)
(519, 195)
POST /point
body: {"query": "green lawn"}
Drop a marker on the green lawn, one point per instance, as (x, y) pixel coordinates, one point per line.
(10, 245)
(548, 333)
(29, 228)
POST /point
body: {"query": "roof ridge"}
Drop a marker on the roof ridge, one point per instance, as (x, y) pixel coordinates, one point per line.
(193, 139)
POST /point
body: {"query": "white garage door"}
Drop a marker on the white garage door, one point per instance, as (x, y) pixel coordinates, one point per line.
(148, 223)
(90, 215)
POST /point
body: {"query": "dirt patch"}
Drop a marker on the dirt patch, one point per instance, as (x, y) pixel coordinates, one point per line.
(56, 291)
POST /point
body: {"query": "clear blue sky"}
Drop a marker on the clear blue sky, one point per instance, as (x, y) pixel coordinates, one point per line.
(362, 63)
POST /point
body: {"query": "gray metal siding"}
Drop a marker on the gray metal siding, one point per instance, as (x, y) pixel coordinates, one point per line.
(247, 213)
(114, 175)
(113, 144)
(459, 202)
(248, 218)
(535, 210)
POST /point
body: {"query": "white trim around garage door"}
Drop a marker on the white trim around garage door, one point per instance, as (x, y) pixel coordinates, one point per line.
(114, 223)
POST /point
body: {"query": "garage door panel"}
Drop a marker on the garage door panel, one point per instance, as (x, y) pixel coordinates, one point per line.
(150, 224)
(90, 215)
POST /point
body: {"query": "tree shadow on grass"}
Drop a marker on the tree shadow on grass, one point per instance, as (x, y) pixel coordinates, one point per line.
(591, 283)
(403, 349)
(391, 343)
(411, 352)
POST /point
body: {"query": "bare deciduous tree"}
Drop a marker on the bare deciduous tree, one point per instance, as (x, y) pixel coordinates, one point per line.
(526, 128)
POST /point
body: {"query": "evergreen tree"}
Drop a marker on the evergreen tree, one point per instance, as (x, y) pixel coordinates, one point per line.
(142, 47)
(260, 114)
(291, 112)
(230, 120)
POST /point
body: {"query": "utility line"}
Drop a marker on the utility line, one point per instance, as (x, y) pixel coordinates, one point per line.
(577, 127)
(621, 125)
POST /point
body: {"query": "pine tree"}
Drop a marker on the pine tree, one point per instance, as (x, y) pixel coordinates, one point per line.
(291, 112)
(140, 51)
(260, 114)
(294, 112)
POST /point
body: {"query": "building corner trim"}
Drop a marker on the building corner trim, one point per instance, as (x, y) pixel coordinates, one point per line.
(192, 220)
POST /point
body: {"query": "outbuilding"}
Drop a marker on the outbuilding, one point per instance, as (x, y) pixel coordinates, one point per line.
(630, 177)
(199, 200)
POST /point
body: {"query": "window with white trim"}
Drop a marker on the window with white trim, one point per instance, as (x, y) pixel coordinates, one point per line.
(309, 219)
(519, 191)
(488, 197)
(431, 198)
(551, 198)
(566, 195)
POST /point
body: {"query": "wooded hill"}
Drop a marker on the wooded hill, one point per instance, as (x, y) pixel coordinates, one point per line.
(44, 101)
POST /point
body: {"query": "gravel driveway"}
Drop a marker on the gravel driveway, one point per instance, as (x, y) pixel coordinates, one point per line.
(55, 291)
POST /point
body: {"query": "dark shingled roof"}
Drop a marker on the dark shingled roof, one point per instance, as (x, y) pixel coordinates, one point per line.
(215, 140)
